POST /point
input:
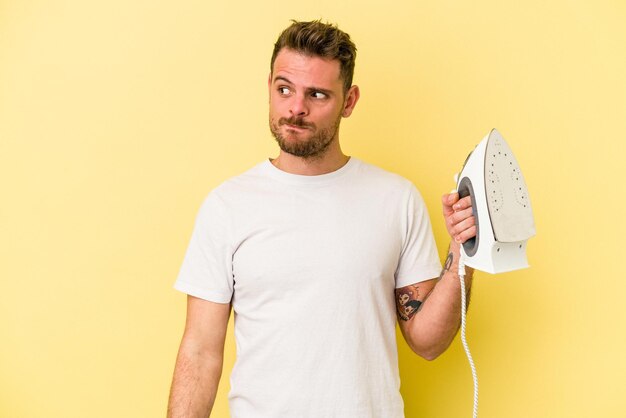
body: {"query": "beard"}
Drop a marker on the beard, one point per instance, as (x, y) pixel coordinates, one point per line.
(315, 146)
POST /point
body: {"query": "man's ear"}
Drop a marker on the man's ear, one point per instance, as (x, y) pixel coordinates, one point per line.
(352, 97)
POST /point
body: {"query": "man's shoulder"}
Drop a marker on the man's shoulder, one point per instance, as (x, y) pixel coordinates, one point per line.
(236, 191)
(251, 176)
(379, 175)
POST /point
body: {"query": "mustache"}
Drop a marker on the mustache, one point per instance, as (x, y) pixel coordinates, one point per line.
(295, 121)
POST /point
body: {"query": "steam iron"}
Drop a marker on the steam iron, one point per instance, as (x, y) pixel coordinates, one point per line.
(504, 219)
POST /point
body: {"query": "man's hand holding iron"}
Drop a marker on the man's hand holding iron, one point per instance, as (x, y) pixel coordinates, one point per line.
(458, 216)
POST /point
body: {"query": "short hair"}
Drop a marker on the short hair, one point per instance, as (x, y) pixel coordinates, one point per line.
(319, 39)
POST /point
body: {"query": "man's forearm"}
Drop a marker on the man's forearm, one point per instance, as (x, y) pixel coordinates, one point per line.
(432, 329)
(195, 382)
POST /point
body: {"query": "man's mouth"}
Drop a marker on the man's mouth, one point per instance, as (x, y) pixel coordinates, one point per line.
(295, 124)
(295, 127)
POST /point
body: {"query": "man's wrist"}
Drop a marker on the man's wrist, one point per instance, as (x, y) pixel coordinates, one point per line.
(455, 249)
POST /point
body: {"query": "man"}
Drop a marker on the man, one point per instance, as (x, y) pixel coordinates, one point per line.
(316, 252)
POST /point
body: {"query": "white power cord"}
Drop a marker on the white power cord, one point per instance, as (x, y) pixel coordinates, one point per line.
(463, 339)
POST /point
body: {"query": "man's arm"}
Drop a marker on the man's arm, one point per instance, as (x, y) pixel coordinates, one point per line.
(199, 362)
(429, 312)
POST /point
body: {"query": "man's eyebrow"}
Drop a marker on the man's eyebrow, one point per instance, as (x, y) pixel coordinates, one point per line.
(281, 78)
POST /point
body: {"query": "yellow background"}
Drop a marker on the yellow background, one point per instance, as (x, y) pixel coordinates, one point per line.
(117, 117)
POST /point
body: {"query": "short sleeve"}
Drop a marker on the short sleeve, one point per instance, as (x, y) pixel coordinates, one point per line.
(206, 271)
(419, 259)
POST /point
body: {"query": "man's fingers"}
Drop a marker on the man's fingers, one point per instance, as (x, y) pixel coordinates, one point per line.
(460, 227)
(464, 203)
(459, 216)
(465, 235)
(447, 201)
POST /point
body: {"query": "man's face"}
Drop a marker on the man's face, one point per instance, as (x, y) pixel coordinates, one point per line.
(306, 103)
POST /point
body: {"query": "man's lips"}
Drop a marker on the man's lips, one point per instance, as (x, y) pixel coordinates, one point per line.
(295, 124)
(296, 127)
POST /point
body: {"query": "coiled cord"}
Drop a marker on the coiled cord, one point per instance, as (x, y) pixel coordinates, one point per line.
(463, 338)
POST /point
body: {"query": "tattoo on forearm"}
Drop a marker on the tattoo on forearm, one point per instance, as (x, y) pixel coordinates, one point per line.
(406, 301)
(447, 264)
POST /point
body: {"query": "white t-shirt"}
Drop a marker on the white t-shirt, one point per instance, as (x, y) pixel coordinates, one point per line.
(310, 264)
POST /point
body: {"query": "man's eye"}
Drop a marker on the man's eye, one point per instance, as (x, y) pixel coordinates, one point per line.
(283, 90)
(318, 95)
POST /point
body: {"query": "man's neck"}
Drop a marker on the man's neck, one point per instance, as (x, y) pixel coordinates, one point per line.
(315, 166)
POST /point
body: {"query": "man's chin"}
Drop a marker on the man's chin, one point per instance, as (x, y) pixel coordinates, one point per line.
(293, 137)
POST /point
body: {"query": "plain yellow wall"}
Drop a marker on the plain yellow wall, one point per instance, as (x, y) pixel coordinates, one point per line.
(118, 117)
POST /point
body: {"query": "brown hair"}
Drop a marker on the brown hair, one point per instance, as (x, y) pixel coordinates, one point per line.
(319, 39)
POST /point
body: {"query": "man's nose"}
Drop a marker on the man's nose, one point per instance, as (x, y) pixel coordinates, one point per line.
(299, 106)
